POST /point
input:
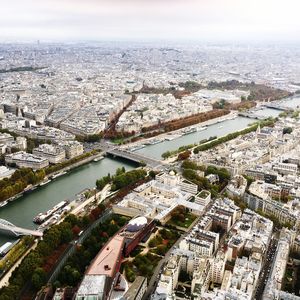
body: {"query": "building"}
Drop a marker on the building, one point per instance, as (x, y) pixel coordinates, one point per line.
(158, 198)
(201, 241)
(237, 186)
(285, 168)
(54, 154)
(137, 290)
(5, 172)
(276, 275)
(203, 198)
(179, 261)
(102, 276)
(26, 160)
(256, 199)
(6, 138)
(218, 267)
(72, 148)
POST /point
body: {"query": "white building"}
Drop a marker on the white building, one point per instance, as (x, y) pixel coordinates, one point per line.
(26, 160)
(54, 154)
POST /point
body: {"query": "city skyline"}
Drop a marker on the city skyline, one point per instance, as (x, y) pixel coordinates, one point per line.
(216, 21)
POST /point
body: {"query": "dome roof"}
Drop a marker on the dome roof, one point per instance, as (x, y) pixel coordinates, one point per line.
(136, 224)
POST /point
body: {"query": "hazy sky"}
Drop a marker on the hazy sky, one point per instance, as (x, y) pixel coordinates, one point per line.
(209, 20)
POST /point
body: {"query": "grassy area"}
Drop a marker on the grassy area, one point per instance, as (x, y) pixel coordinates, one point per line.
(203, 194)
(163, 241)
(186, 223)
(145, 264)
(118, 141)
(142, 265)
(181, 218)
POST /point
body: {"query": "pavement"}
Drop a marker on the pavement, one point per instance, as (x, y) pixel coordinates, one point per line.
(266, 269)
(100, 195)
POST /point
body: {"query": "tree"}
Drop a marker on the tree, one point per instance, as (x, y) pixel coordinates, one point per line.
(96, 212)
(184, 155)
(71, 219)
(152, 174)
(166, 154)
(66, 234)
(287, 130)
(38, 278)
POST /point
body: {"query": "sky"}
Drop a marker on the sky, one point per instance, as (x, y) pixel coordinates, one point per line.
(187, 20)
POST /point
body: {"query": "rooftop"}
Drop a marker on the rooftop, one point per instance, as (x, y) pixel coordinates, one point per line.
(107, 258)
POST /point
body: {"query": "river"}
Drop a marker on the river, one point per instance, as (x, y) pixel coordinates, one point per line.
(22, 211)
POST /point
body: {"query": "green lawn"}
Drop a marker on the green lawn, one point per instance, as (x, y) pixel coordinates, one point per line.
(185, 222)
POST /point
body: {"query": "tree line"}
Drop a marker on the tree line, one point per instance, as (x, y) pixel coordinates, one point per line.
(69, 162)
(233, 135)
(185, 148)
(23, 177)
(19, 180)
(33, 272)
(121, 179)
(73, 271)
(186, 121)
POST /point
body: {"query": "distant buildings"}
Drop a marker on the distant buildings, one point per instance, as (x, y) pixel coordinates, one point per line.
(150, 110)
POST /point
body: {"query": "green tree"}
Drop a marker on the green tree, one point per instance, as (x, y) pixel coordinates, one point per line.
(38, 278)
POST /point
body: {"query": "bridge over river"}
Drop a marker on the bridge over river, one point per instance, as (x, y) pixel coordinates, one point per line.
(10, 228)
(116, 151)
(136, 157)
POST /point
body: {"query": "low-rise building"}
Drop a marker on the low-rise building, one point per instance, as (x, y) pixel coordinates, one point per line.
(5, 172)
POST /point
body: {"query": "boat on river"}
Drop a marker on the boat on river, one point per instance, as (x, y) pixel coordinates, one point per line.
(45, 182)
(189, 130)
(59, 174)
(98, 158)
(3, 203)
(42, 217)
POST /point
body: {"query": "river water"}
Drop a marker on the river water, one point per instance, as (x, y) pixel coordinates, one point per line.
(22, 211)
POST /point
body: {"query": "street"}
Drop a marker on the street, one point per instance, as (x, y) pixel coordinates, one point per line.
(264, 274)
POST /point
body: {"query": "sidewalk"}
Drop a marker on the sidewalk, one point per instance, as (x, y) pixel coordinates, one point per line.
(101, 195)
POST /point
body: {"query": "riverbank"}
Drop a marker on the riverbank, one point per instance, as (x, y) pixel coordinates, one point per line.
(65, 170)
(173, 135)
(66, 187)
(197, 147)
